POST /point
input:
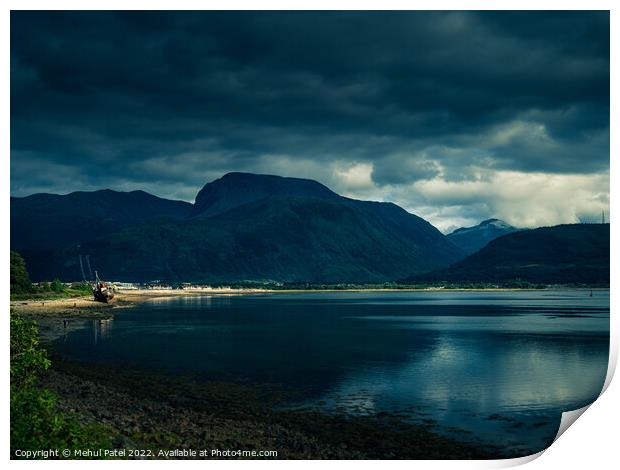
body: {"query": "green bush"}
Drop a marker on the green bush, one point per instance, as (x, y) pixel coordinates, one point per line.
(45, 286)
(27, 358)
(57, 286)
(81, 287)
(36, 422)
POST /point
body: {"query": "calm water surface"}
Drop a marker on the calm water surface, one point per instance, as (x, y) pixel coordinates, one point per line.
(493, 367)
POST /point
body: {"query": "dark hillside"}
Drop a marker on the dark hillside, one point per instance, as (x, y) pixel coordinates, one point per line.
(564, 254)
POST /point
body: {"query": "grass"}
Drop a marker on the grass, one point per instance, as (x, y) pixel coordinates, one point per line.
(66, 293)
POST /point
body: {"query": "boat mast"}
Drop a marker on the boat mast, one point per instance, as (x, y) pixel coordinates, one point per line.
(82, 269)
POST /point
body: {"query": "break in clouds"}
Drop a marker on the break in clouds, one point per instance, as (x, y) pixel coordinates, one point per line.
(456, 116)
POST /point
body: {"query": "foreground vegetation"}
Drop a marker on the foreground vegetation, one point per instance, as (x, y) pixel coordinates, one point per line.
(36, 423)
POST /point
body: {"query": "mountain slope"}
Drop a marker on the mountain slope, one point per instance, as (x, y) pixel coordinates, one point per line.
(471, 239)
(278, 238)
(564, 254)
(43, 226)
(245, 227)
(235, 190)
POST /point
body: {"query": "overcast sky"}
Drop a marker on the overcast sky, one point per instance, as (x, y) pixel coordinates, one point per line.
(456, 116)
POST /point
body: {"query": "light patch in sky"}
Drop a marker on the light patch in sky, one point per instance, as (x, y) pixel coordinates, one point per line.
(522, 199)
(354, 176)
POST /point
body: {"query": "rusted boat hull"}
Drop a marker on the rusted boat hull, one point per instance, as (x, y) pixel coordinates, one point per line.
(104, 297)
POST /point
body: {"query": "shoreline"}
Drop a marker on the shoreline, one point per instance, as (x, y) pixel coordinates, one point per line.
(56, 317)
(126, 298)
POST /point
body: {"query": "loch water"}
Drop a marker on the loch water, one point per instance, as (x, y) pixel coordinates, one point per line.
(491, 367)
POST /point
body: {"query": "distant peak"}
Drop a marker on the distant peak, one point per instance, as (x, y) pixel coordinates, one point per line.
(485, 224)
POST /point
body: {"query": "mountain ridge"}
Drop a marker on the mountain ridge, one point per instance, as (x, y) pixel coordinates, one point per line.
(249, 221)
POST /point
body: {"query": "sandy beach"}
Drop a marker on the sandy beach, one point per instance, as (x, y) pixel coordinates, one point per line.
(86, 307)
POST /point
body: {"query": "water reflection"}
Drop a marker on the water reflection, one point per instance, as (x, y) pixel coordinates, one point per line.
(502, 366)
(102, 329)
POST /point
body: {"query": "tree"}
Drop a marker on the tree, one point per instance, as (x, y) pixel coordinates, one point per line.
(20, 280)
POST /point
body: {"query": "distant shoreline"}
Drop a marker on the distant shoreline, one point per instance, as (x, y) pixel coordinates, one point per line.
(143, 295)
(86, 308)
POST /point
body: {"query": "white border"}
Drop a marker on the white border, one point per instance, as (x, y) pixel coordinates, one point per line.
(590, 443)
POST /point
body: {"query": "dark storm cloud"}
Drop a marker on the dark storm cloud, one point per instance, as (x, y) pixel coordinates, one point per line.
(166, 100)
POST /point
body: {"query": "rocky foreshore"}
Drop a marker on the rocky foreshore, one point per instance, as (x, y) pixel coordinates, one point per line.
(147, 410)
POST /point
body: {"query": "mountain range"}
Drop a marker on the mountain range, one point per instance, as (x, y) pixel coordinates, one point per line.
(241, 227)
(248, 227)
